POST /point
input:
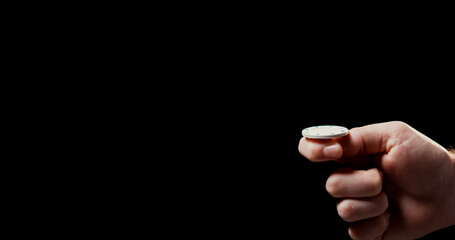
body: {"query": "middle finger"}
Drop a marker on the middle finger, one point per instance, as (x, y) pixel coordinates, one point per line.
(349, 183)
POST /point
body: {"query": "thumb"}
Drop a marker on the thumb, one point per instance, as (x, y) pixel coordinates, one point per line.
(371, 139)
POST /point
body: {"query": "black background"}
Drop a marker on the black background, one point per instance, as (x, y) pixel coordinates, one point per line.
(232, 88)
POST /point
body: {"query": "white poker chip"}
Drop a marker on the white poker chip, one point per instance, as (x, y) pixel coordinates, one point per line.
(325, 132)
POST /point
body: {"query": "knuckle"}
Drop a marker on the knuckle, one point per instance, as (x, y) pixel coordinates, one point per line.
(383, 222)
(400, 125)
(346, 211)
(356, 233)
(385, 200)
(374, 227)
(376, 183)
(333, 186)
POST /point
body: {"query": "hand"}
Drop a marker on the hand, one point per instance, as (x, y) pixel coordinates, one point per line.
(407, 189)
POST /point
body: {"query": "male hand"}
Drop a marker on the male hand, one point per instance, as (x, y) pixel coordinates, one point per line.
(407, 189)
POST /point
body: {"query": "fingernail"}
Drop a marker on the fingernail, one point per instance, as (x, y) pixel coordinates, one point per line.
(332, 151)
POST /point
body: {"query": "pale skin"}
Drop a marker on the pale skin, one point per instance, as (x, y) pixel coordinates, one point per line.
(396, 184)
